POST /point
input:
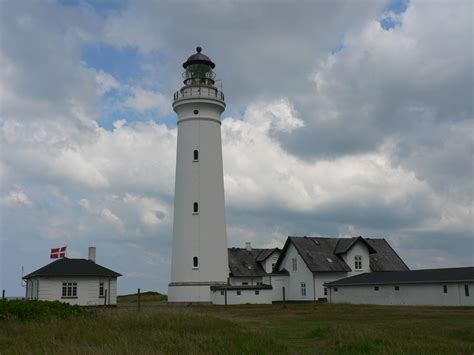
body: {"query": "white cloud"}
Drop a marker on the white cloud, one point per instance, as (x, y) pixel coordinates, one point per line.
(16, 197)
(143, 100)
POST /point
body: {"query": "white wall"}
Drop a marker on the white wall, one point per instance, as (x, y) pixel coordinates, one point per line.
(302, 274)
(50, 289)
(322, 277)
(409, 294)
(246, 296)
(270, 261)
(359, 248)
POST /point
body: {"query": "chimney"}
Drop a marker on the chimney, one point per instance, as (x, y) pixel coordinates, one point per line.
(248, 246)
(92, 254)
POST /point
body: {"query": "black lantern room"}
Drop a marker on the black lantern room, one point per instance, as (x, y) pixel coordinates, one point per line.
(199, 70)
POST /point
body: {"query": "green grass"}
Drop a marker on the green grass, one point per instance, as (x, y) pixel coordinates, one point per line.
(302, 328)
(147, 297)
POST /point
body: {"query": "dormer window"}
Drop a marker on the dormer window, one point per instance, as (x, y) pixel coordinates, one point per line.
(358, 262)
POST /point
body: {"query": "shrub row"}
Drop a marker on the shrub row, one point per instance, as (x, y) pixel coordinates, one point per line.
(27, 310)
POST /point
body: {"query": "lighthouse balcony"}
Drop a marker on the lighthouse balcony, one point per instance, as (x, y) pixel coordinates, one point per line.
(199, 92)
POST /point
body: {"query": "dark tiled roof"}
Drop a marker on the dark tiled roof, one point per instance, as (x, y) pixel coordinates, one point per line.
(318, 253)
(385, 259)
(344, 244)
(73, 267)
(265, 253)
(461, 274)
(243, 262)
(323, 254)
(242, 287)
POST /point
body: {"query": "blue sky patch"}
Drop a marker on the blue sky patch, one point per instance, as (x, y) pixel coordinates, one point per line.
(123, 63)
(102, 7)
(396, 7)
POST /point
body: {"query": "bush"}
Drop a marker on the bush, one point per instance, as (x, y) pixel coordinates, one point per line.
(28, 310)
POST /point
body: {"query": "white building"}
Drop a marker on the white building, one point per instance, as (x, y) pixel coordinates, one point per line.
(435, 287)
(199, 258)
(298, 272)
(75, 281)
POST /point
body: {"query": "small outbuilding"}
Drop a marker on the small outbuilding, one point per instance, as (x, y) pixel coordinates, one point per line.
(75, 281)
(436, 287)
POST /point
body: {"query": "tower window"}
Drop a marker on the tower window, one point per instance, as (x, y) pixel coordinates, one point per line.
(196, 155)
(196, 207)
(195, 262)
(195, 112)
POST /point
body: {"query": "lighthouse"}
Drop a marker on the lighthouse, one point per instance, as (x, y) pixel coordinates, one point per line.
(199, 258)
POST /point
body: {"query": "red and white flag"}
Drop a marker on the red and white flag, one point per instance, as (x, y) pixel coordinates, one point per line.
(57, 253)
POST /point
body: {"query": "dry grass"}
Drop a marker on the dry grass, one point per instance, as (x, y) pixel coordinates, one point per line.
(309, 328)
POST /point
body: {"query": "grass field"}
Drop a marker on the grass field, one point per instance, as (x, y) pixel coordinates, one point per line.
(298, 328)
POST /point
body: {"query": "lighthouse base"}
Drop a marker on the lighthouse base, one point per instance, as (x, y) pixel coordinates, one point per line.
(184, 293)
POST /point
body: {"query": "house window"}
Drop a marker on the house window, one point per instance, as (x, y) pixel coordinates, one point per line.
(445, 288)
(295, 266)
(238, 293)
(195, 262)
(397, 288)
(69, 289)
(259, 283)
(466, 290)
(196, 155)
(358, 262)
(257, 292)
(325, 291)
(222, 293)
(335, 289)
(245, 283)
(196, 207)
(101, 289)
(303, 289)
(376, 288)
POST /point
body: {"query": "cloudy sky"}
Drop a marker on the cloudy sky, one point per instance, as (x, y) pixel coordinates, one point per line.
(344, 118)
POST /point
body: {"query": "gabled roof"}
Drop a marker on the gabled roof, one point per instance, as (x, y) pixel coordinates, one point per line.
(265, 253)
(244, 263)
(73, 267)
(460, 274)
(344, 244)
(324, 254)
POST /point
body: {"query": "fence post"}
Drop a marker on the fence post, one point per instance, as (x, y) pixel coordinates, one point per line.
(225, 297)
(284, 298)
(105, 298)
(139, 299)
(3, 294)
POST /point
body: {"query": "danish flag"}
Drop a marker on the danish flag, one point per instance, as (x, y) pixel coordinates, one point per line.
(58, 253)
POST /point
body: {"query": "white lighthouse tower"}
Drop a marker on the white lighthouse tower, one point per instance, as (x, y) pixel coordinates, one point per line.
(199, 230)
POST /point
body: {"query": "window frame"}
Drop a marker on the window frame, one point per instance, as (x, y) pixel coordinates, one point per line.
(376, 288)
(195, 262)
(69, 290)
(303, 289)
(294, 262)
(239, 292)
(445, 288)
(195, 207)
(358, 262)
(196, 155)
(257, 292)
(397, 288)
(101, 289)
